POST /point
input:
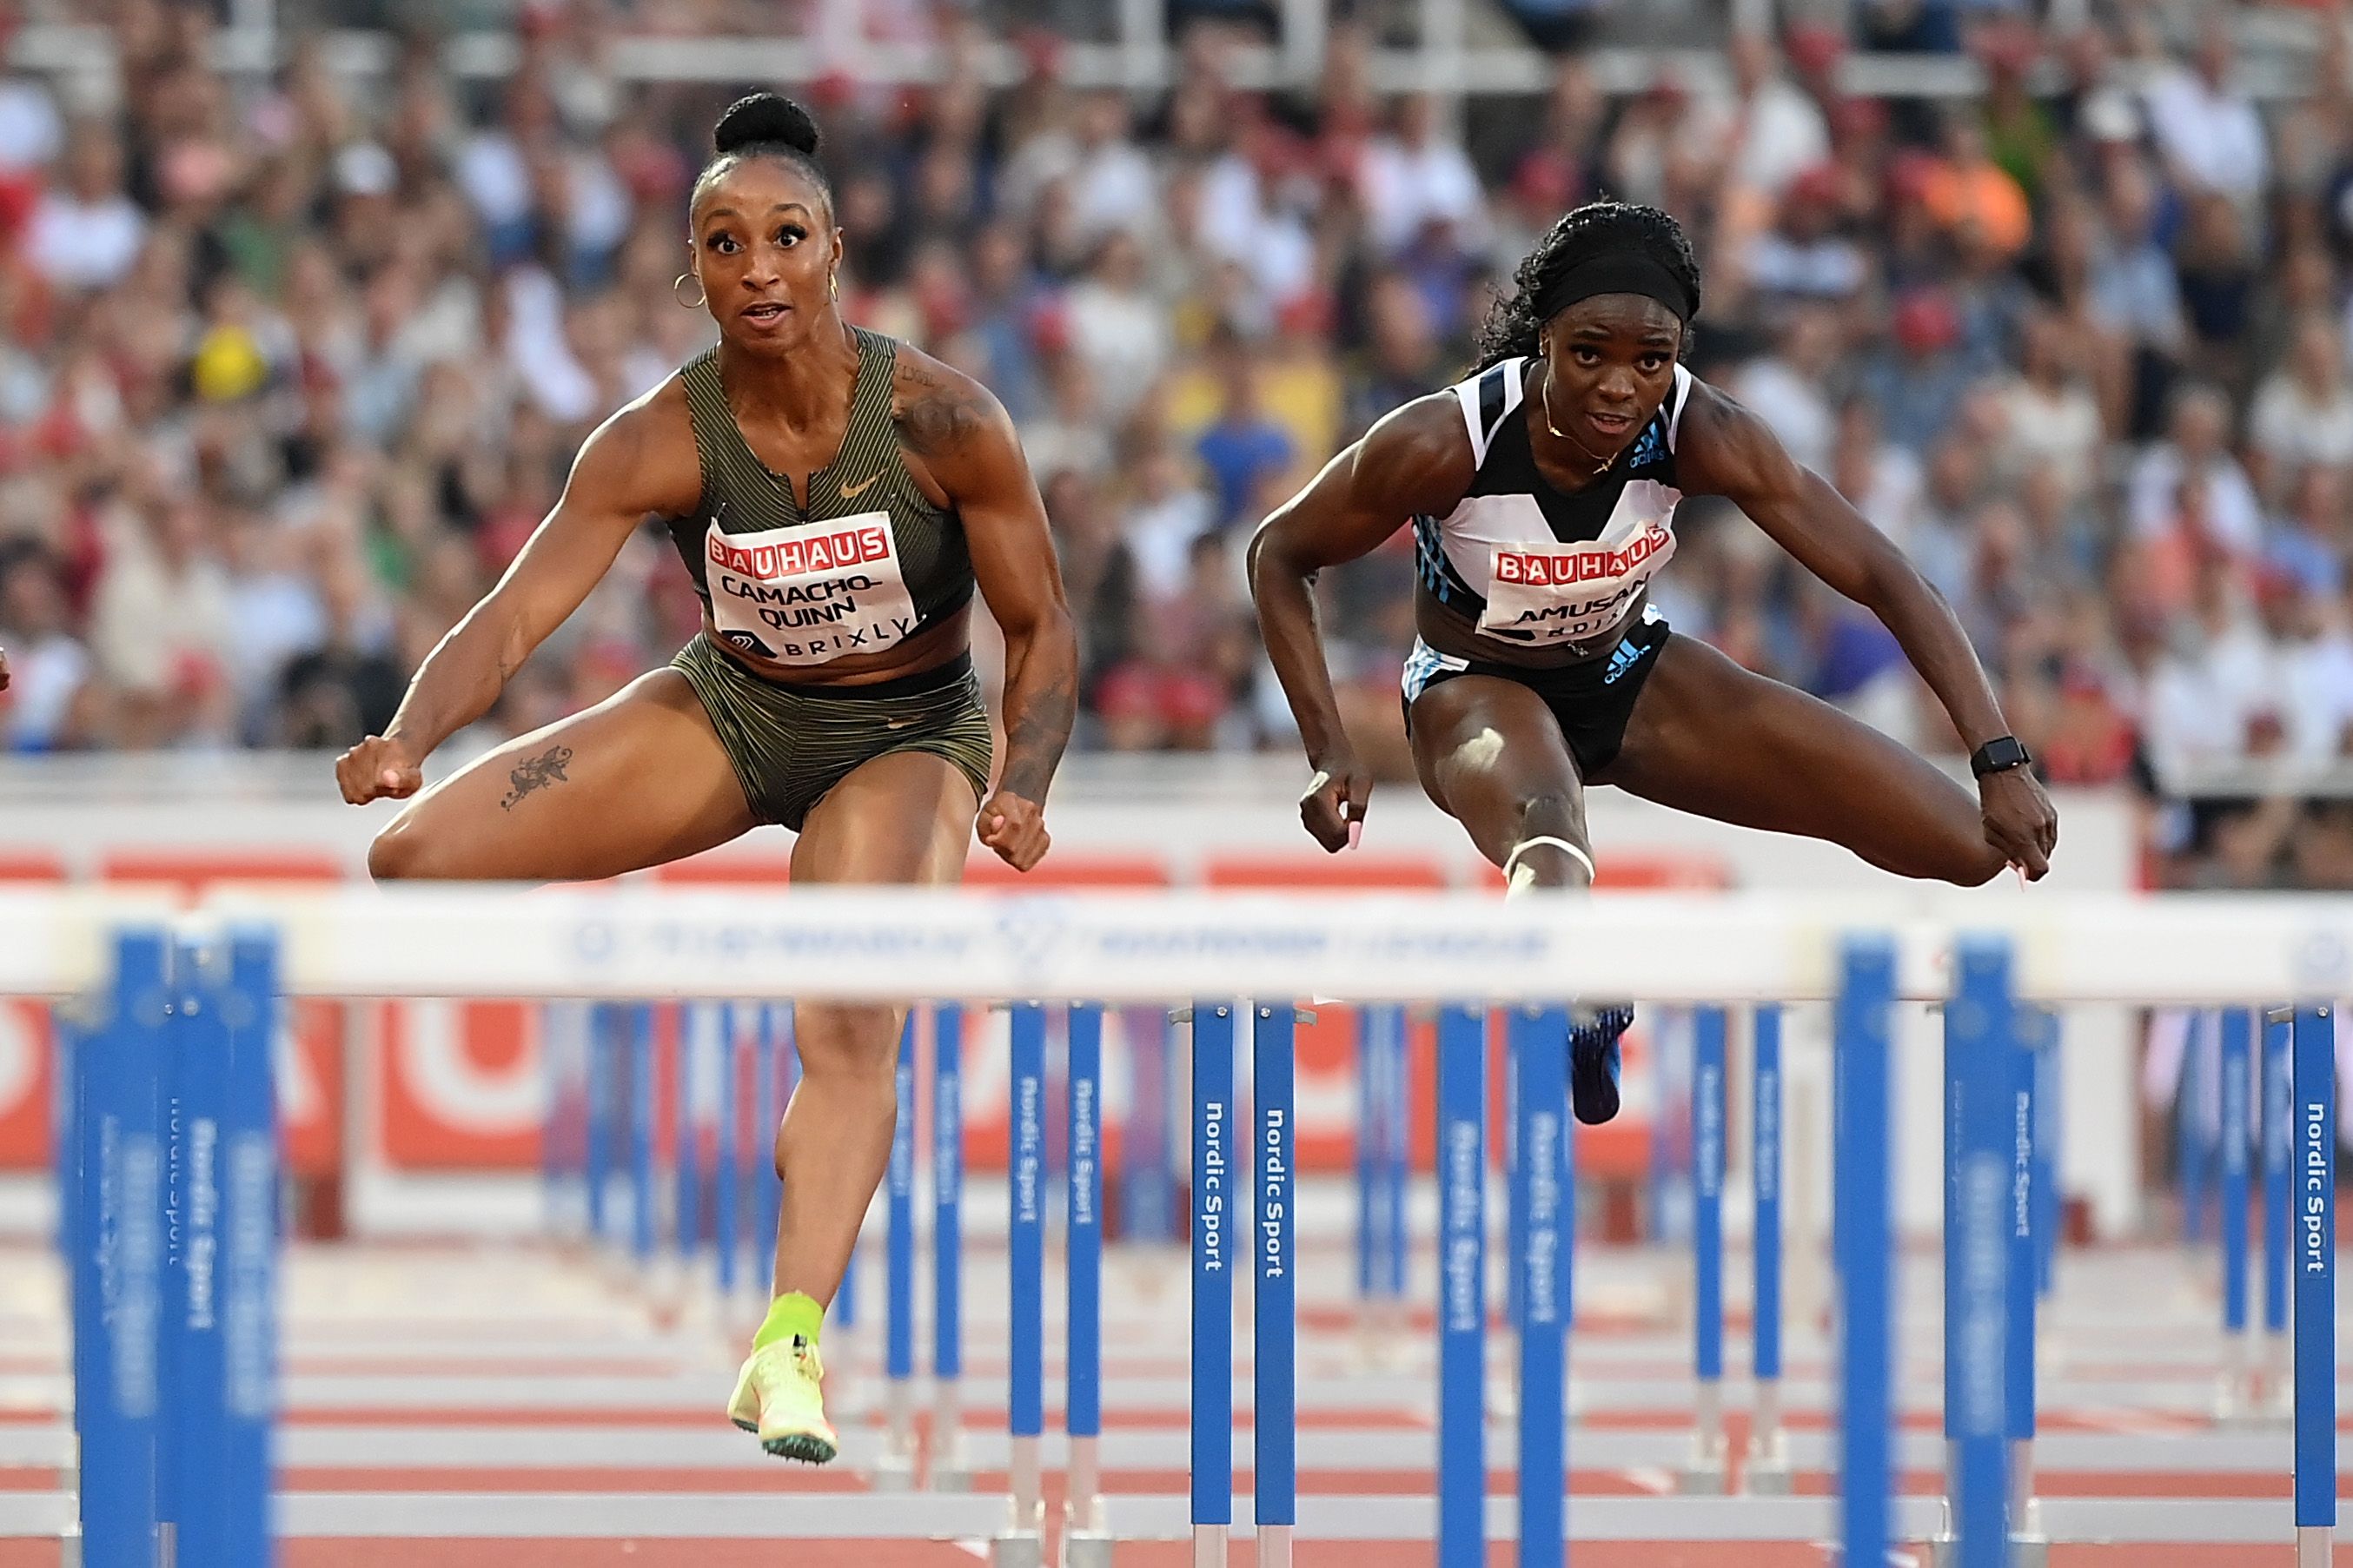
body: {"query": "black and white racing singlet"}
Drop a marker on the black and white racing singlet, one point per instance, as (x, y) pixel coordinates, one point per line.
(1531, 566)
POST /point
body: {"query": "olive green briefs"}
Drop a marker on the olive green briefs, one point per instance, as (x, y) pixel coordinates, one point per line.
(791, 745)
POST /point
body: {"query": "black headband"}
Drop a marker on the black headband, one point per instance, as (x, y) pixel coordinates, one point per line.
(1620, 272)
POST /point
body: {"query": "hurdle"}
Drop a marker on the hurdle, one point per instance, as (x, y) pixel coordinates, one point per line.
(2193, 1163)
(1705, 1472)
(2235, 1399)
(171, 1222)
(2033, 1036)
(1765, 1467)
(1212, 1437)
(1543, 1197)
(1383, 1172)
(895, 1468)
(1085, 1535)
(2313, 1042)
(2255, 1387)
(1992, 1518)
(948, 1472)
(2276, 1097)
(615, 947)
(1087, 1539)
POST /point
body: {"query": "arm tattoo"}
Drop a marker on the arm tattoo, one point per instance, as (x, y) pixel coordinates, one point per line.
(536, 774)
(1040, 731)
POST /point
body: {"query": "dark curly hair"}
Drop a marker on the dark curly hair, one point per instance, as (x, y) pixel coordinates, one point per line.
(1597, 228)
(765, 126)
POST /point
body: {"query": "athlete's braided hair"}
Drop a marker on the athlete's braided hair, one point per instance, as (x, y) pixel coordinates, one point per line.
(1597, 228)
(765, 126)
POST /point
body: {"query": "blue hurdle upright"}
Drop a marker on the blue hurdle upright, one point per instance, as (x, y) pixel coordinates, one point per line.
(1020, 1542)
(1707, 1470)
(1384, 1156)
(2314, 1167)
(171, 1152)
(1765, 1468)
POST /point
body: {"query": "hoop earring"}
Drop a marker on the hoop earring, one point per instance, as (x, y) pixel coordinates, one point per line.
(699, 296)
(835, 279)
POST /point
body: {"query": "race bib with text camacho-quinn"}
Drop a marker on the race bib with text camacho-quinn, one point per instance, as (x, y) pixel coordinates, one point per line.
(810, 593)
(1571, 592)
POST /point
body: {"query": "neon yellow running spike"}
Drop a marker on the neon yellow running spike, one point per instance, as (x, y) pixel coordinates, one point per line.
(778, 1397)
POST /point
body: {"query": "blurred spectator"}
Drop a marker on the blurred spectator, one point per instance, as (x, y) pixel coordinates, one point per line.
(2303, 413)
(2319, 674)
(2208, 132)
(1789, 389)
(2216, 695)
(1111, 185)
(1879, 481)
(1775, 132)
(49, 686)
(2133, 290)
(1118, 328)
(1005, 307)
(1401, 357)
(162, 624)
(2019, 132)
(1856, 665)
(1098, 570)
(1971, 194)
(2089, 739)
(2195, 446)
(1244, 447)
(1956, 479)
(1417, 178)
(2216, 265)
(342, 686)
(1068, 436)
(31, 130)
(1804, 257)
(2051, 416)
(1659, 128)
(1918, 381)
(1167, 512)
(2309, 541)
(85, 232)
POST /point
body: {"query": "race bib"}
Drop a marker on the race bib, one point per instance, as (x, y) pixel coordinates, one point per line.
(811, 593)
(1571, 592)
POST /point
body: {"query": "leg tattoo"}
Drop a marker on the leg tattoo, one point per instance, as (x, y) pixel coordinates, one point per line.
(537, 774)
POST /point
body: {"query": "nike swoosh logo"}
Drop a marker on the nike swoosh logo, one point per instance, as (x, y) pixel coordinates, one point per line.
(851, 492)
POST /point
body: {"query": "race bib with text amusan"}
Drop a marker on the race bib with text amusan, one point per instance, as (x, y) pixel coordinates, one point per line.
(1572, 593)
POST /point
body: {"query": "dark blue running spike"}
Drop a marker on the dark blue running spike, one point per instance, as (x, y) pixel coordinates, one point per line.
(1593, 1058)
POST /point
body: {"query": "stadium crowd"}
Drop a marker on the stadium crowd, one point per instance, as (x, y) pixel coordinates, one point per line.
(289, 366)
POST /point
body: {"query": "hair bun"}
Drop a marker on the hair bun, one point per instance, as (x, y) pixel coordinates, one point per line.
(764, 120)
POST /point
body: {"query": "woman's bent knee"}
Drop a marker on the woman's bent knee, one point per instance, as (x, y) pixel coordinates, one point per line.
(401, 854)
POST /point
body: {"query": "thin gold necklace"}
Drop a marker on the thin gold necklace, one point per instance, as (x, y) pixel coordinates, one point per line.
(1546, 396)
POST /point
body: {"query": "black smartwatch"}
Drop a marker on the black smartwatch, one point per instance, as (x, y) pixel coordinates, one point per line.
(1998, 756)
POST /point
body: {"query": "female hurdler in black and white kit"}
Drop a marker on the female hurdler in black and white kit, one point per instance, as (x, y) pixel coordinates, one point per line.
(1542, 494)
